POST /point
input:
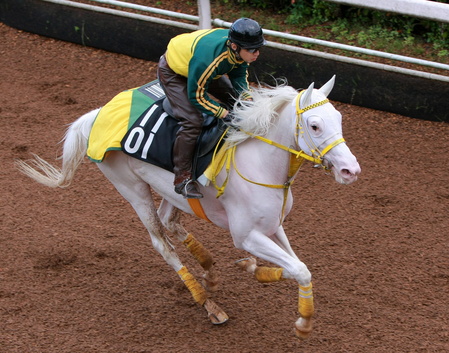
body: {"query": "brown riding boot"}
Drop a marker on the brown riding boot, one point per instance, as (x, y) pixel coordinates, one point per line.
(187, 187)
(183, 150)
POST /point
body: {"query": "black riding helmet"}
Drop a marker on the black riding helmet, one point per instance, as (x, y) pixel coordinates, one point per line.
(246, 33)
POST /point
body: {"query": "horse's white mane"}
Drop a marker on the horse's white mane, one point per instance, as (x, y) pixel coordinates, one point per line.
(257, 116)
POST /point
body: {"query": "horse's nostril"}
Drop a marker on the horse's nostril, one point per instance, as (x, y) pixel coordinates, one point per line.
(349, 172)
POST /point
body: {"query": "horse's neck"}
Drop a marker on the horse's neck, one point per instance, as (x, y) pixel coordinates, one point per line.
(283, 129)
(262, 158)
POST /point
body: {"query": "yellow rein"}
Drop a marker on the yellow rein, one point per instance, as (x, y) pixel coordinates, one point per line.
(296, 159)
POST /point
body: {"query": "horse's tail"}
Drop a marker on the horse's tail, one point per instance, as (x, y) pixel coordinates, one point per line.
(74, 150)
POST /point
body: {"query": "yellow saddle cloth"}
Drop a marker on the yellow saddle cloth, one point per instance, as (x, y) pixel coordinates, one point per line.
(117, 116)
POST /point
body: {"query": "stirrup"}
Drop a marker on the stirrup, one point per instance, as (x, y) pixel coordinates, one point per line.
(188, 189)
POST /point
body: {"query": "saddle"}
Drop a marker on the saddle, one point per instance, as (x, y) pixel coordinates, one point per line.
(153, 133)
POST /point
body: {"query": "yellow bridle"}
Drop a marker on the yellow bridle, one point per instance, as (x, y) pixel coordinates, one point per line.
(314, 150)
(296, 158)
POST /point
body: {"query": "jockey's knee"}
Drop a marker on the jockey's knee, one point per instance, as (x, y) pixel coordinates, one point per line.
(190, 129)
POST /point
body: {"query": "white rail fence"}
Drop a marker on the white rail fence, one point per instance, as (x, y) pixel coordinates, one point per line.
(430, 10)
(206, 22)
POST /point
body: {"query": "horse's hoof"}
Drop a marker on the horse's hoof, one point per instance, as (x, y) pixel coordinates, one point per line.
(303, 328)
(248, 264)
(216, 315)
(301, 334)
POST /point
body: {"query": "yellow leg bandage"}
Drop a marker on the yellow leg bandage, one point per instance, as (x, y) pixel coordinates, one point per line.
(268, 274)
(198, 292)
(305, 303)
(199, 252)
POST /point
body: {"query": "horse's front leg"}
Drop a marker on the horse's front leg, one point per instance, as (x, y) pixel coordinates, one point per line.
(170, 217)
(303, 325)
(274, 251)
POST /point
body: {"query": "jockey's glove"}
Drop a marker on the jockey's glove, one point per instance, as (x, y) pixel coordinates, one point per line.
(231, 120)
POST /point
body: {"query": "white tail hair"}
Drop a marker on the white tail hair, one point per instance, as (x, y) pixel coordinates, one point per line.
(74, 150)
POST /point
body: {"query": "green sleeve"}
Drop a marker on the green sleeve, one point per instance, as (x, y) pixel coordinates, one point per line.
(200, 74)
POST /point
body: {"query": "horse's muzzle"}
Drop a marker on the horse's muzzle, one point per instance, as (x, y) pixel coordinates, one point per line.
(346, 175)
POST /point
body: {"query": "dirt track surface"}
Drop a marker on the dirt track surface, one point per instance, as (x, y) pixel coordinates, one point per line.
(78, 272)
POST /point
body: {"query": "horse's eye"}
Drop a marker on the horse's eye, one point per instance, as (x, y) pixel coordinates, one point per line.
(315, 125)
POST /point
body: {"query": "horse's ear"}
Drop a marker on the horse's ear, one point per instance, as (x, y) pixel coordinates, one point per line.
(307, 96)
(327, 88)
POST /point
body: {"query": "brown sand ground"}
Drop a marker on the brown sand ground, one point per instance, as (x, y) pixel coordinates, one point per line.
(78, 272)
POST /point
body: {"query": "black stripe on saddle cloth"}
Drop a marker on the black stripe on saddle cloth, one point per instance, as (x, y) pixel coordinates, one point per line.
(153, 134)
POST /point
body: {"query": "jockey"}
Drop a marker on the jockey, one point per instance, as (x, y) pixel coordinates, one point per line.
(195, 64)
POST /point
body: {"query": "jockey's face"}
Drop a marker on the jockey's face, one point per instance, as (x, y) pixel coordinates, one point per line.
(247, 55)
(250, 55)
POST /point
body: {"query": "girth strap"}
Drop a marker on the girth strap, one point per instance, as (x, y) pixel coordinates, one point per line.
(197, 208)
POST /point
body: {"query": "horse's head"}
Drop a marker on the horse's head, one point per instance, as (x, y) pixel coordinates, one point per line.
(320, 133)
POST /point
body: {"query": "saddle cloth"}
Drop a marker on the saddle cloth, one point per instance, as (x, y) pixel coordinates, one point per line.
(136, 123)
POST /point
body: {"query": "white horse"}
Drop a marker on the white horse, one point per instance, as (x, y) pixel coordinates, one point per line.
(277, 131)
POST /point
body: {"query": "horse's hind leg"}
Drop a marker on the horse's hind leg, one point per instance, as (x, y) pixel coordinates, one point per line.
(170, 217)
(138, 194)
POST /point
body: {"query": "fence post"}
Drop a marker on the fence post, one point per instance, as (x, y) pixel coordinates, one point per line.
(204, 13)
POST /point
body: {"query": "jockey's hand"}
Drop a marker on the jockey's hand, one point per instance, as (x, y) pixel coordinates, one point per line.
(230, 120)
